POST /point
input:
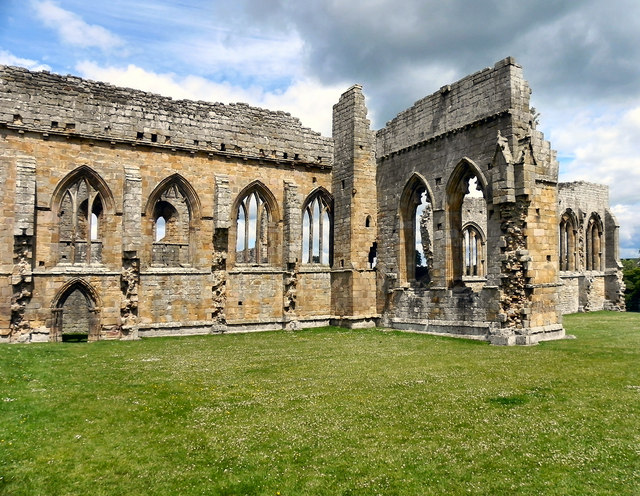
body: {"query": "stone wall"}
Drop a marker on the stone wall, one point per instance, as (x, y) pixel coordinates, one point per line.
(90, 172)
(599, 287)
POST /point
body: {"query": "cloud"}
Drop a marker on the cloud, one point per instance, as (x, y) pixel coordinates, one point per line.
(305, 98)
(7, 58)
(569, 50)
(73, 30)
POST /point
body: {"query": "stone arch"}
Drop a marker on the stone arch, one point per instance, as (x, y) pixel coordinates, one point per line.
(93, 178)
(317, 228)
(254, 241)
(568, 246)
(415, 213)
(177, 204)
(81, 203)
(76, 308)
(456, 190)
(594, 245)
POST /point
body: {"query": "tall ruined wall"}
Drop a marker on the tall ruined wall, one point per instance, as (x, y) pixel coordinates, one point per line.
(64, 127)
(480, 127)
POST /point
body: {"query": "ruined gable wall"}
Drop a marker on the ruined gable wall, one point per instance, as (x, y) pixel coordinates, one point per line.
(473, 98)
(479, 119)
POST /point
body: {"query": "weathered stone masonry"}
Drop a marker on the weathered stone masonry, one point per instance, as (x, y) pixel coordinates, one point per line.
(128, 214)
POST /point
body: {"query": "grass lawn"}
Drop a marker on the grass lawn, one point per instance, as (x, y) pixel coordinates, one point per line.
(326, 411)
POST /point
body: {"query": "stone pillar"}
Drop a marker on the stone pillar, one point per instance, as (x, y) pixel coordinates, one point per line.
(23, 247)
(221, 224)
(353, 282)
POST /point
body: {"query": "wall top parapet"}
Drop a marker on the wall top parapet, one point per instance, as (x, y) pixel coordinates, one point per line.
(51, 103)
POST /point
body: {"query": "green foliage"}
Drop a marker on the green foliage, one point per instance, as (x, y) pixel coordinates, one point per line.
(327, 411)
(631, 275)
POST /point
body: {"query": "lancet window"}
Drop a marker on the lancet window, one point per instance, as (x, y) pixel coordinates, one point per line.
(171, 218)
(593, 243)
(80, 218)
(567, 248)
(252, 229)
(317, 231)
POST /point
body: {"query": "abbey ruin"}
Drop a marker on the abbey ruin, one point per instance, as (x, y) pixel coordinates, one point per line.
(128, 214)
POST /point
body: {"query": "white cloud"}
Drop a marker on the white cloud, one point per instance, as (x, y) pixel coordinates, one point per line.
(7, 58)
(304, 98)
(603, 148)
(72, 29)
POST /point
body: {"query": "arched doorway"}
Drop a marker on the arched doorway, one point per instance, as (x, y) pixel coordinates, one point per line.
(76, 314)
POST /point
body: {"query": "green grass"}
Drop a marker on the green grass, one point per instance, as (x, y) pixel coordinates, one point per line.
(326, 411)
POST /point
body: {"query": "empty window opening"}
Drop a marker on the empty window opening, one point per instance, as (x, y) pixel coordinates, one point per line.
(79, 219)
(171, 228)
(367, 222)
(593, 243)
(161, 228)
(154, 138)
(373, 255)
(466, 208)
(317, 231)
(567, 242)
(223, 147)
(139, 135)
(252, 230)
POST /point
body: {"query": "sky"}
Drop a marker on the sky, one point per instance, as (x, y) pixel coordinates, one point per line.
(581, 58)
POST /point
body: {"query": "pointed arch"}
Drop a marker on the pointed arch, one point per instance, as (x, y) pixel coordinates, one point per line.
(567, 249)
(255, 219)
(185, 188)
(456, 190)
(95, 181)
(317, 228)
(174, 212)
(594, 245)
(415, 213)
(81, 203)
(76, 309)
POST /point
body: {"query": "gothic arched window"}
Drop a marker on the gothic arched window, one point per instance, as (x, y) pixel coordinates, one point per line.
(317, 230)
(593, 243)
(252, 229)
(80, 219)
(567, 248)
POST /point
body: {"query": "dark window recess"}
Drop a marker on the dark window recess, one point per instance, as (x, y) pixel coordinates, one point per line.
(154, 138)
(373, 255)
(296, 157)
(438, 181)
(54, 124)
(196, 142)
(139, 135)
(223, 147)
(285, 155)
(70, 126)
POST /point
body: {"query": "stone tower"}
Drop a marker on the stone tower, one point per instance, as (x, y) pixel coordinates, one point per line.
(353, 281)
